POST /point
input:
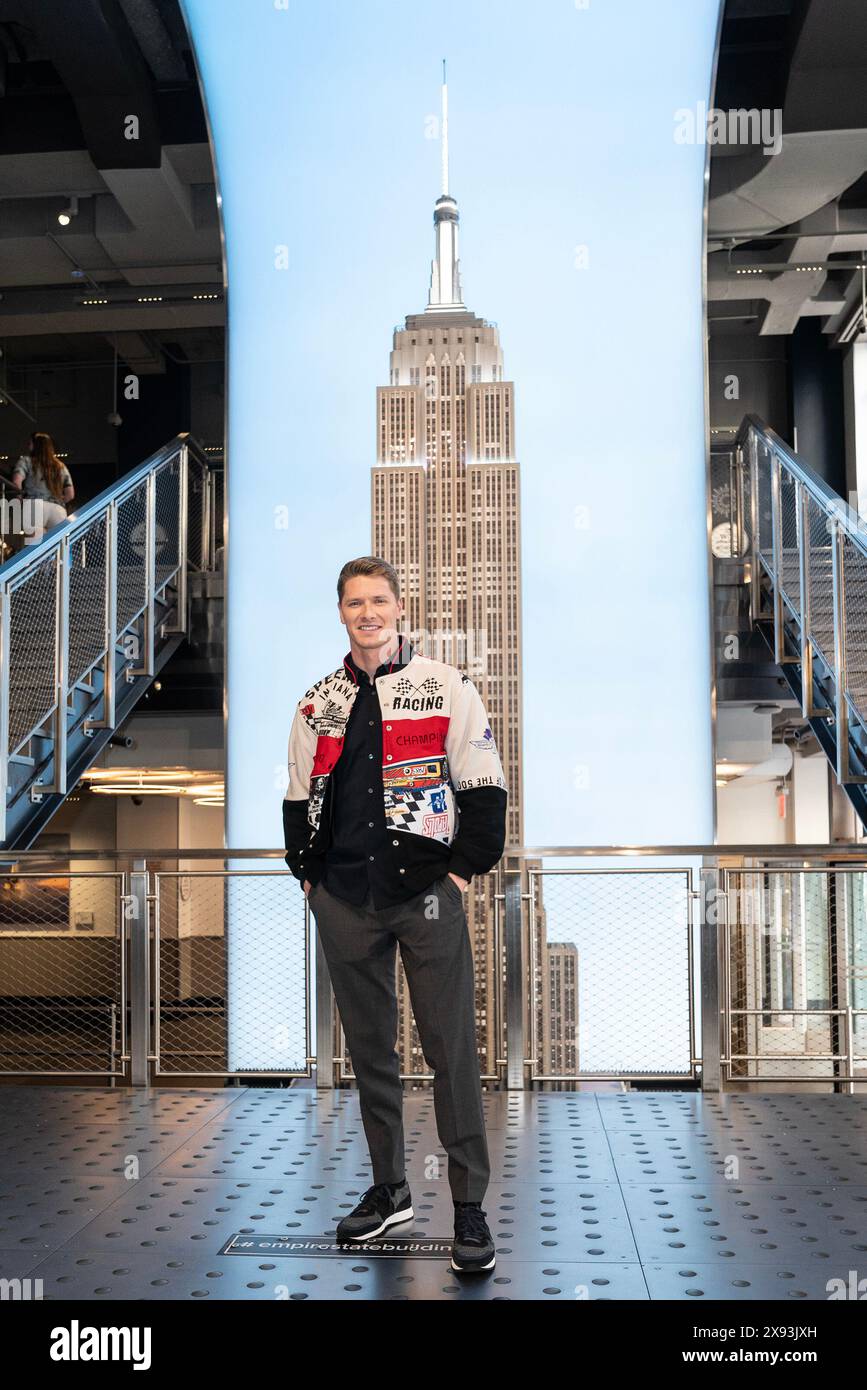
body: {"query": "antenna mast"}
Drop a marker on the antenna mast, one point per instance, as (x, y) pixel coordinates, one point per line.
(445, 139)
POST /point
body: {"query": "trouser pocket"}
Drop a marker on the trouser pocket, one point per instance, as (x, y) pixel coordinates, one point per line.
(452, 888)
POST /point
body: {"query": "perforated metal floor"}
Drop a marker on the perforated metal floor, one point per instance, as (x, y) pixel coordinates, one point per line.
(656, 1195)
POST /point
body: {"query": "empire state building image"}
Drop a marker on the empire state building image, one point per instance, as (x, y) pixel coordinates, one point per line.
(445, 508)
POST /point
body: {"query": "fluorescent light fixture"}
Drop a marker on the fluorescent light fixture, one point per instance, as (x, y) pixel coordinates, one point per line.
(206, 788)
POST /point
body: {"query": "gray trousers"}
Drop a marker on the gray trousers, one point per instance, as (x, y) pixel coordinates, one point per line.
(360, 945)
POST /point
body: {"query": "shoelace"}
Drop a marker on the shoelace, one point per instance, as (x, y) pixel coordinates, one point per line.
(368, 1200)
(471, 1226)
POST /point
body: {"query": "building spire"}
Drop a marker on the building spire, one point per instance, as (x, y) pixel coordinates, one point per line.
(445, 278)
(445, 129)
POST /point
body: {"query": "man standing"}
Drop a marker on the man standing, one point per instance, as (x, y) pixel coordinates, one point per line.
(396, 798)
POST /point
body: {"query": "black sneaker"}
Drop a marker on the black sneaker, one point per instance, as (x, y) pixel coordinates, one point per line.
(379, 1208)
(473, 1248)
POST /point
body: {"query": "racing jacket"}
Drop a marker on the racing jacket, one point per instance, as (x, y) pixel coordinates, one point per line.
(444, 792)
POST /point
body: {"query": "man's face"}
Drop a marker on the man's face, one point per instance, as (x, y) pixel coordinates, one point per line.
(370, 611)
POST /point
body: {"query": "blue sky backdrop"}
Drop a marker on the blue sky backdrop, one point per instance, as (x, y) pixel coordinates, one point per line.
(561, 135)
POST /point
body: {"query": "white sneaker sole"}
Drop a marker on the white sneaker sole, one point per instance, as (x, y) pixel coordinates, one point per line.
(395, 1219)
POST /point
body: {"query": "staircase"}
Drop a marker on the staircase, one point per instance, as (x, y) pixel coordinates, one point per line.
(805, 553)
(89, 615)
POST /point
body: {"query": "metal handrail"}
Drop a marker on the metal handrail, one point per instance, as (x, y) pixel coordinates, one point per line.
(708, 899)
(97, 505)
(77, 520)
(856, 850)
(85, 548)
(846, 545)
(821, 492)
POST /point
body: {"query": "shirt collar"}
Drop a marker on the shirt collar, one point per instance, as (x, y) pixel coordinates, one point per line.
(404, 654)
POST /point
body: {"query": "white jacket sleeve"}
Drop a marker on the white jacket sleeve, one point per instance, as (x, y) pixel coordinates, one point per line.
(302, 749)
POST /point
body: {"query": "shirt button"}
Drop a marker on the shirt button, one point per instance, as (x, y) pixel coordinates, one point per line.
(370, 755)
(370, 722)
(395, 842)
(388, 726)
(370, 823)
(371, 856)
(387, 757)
(403, 871)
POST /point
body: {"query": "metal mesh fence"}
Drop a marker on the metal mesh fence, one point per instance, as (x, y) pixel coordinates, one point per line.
(855, 586)
(790, 565)
(197, 515)
(57, 607)
(854, 887)
(87, 599)
(607, 984)
(609, 979)
(746, 496)
(62, 973)
(764, 521)
(724, 519)
(819, 579)
(205, 923)
(817, 542)
(205, 513)
(32, 650)
(795, 954)
(216, 512)
(131, 555)
(167, 521)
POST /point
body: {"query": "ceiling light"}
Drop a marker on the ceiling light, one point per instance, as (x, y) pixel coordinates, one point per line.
(205, 787)
(66, 215)
(134, 789)
(855, 325)
(108, 774)
(727, 770)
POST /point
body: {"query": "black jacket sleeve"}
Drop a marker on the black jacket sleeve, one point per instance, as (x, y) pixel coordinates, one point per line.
(479, 785)
(296, 827)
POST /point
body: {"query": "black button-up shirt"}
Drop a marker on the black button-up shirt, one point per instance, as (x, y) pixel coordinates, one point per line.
(359, 858)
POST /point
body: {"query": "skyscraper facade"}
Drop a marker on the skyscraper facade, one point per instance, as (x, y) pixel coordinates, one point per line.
(445, 505)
